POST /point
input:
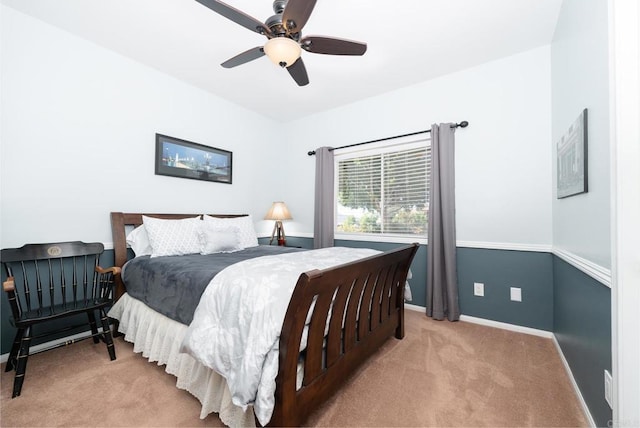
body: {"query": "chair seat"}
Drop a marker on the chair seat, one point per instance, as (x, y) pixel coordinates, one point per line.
(60, 311)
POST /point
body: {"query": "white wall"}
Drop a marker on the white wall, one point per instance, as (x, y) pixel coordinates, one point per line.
(78, 129)
(503, 171)
(78, 139)
(580, 79)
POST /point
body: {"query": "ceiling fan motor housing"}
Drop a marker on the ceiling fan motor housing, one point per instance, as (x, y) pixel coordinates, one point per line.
(277, 29)
(274, 23)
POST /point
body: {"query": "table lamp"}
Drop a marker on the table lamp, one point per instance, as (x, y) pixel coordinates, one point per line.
(278, 212)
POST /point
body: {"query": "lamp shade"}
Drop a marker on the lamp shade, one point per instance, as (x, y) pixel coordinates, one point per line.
(278, 211)
(282, 51)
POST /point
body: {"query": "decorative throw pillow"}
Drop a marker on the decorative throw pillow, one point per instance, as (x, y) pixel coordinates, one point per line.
(216, 239)
(138, 240)
(248, 237)
(173, 237)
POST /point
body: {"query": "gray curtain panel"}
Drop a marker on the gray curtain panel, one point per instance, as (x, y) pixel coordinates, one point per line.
(323, 211)
(442, 278)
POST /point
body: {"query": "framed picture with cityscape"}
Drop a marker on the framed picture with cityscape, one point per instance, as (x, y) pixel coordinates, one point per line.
(185, 159)
(572, 159)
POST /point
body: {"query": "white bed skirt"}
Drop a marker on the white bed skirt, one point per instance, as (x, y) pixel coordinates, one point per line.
(158, 338)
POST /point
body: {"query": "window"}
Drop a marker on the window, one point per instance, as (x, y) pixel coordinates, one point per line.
(384, 190)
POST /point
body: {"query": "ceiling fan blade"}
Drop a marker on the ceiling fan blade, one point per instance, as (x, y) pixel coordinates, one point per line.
(299, 73)
(296, 14)
(244, 57)
(332, 46)
(236, 16)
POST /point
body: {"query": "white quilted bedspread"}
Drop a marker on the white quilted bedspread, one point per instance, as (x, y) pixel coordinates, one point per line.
(236, 326)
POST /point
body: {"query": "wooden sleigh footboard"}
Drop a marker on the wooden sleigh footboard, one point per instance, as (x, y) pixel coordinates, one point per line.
(364, 303)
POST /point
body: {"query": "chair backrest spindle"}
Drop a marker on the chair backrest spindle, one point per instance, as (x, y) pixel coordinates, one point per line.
(74, 283)
(96, 284)
(39, 285)
(50, 283)
(25, 288)
(85, 280)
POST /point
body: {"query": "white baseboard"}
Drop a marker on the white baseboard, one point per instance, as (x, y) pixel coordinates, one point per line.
(414, 308)
(507, 326)
(37, 348)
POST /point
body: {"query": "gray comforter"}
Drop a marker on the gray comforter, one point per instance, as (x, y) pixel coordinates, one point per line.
(173, 285)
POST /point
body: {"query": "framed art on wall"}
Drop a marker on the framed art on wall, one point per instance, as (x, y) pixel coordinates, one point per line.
(185, 159)
(572, 159)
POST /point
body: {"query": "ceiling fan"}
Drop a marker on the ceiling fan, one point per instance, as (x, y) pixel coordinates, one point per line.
(285, 42)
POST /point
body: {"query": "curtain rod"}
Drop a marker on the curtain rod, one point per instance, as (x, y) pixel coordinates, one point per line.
(462, 124)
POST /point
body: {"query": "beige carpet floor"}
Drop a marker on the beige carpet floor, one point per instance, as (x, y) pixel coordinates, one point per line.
(442, 374)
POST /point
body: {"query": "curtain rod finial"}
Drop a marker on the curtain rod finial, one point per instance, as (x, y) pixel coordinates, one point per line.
(463, 124)
(311, 153)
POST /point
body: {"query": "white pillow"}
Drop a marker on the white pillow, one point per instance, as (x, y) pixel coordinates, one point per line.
(216, 239)
(248, 237)
(173, 237)
(138, 240)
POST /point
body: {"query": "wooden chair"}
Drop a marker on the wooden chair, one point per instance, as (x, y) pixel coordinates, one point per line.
(46, 282)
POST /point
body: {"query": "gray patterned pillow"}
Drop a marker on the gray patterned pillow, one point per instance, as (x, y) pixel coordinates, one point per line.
(217, 239)
(173, 237)
(248, 237)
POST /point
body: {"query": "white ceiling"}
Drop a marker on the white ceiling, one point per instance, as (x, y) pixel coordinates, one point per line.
(409, 41)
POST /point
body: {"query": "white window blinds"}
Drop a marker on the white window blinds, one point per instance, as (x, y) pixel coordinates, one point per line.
(384, 191)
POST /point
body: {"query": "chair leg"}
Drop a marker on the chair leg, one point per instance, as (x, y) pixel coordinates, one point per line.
(106, 331)
(11, 362)
(21, 368)
(93, 325)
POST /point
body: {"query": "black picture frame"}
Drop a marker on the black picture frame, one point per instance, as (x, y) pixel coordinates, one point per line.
(572, 159)
(185, 159)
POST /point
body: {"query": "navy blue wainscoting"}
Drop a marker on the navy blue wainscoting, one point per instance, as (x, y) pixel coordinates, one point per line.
(292, 241)
(499, 270)
(582, 325)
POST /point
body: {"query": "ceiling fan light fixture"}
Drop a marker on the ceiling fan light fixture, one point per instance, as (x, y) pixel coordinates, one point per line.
(282, 51)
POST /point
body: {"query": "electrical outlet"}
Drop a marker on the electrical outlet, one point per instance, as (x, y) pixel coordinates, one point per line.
(516, 294)
(478, 289)
(608, 383)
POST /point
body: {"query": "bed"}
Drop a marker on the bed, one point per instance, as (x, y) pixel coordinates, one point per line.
(335, 319)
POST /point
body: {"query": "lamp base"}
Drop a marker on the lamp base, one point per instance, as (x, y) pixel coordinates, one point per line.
(278, 230)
